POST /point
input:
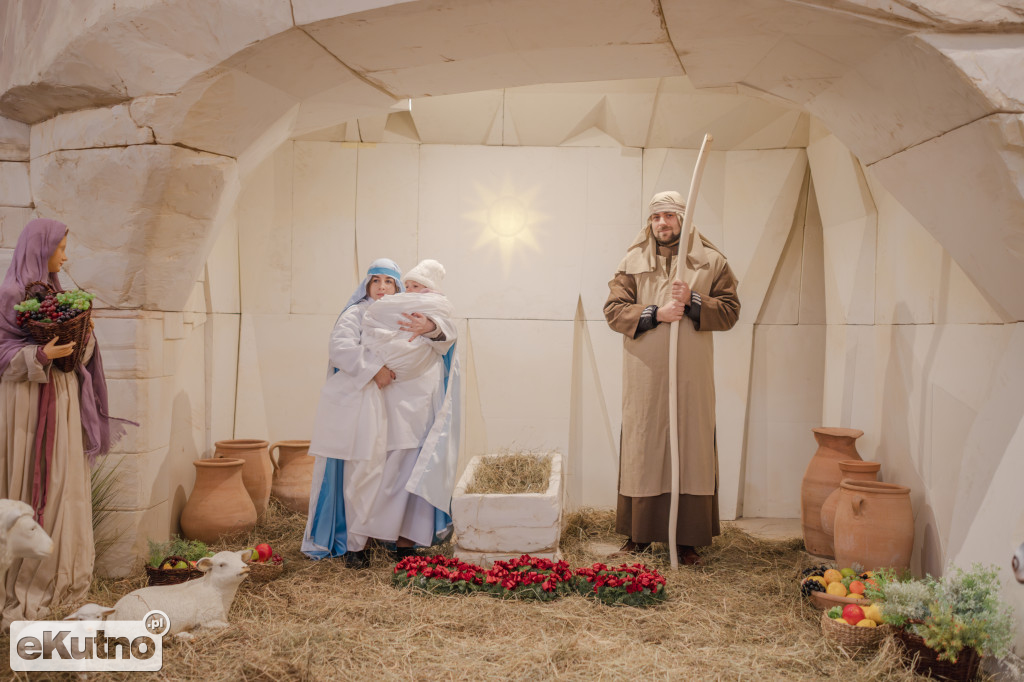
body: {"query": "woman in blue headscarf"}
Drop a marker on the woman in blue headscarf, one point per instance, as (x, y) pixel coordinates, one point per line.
(365, 485)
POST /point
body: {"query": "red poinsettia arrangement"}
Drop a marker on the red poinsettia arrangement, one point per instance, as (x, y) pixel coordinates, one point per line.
(628, 584)
(529, 577)
(438, 574)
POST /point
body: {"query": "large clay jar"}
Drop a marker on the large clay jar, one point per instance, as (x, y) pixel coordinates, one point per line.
(293, 474)
(820, 479)
(219, 506)
(852, 470)
(257, 472)
(874, 525)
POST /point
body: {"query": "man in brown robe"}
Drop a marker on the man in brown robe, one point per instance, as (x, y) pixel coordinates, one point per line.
(641, 297)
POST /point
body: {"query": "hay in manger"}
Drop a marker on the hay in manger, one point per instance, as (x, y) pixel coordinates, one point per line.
(509, 504)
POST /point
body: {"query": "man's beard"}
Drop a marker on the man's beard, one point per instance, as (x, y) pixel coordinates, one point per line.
(665, 242)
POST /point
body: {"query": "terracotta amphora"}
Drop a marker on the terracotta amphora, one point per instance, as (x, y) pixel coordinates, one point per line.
(820, 479)
(219, 506)
(257, 472)
(293, 474)
(852, 470)
(874, 525)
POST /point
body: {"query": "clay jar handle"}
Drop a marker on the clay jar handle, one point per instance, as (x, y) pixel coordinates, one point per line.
(273, 460)
(857, 504)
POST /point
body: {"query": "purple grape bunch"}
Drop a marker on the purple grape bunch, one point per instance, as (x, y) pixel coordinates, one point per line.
(53, 307)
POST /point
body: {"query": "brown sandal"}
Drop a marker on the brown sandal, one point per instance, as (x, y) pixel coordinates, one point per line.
(688, 556)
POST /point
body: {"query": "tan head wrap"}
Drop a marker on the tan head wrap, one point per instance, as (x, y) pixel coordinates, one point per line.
(642, 254)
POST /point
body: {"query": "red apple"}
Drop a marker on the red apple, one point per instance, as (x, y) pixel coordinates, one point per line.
(853, 614)
(265, 551)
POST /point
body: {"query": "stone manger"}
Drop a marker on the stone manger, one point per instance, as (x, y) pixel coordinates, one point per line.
(497, 526)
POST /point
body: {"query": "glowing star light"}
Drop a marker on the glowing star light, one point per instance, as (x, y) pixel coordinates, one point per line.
(507, 220)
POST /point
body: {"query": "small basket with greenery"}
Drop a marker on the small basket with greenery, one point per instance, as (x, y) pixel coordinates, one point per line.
(174, 561)
(946, 626)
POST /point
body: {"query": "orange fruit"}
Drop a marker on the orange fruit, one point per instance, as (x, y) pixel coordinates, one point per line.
(833, 576)
(836, 589)
(857, 586)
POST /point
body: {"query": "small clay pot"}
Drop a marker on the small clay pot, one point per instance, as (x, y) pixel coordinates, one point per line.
(874, 525)
(293, 474)
(820, 479)
(219, 506)
(853, 470)
(257, 472)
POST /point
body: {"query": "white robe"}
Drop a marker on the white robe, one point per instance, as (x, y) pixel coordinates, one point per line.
(392, 483)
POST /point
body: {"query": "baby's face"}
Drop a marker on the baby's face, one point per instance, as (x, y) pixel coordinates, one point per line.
(414, 287)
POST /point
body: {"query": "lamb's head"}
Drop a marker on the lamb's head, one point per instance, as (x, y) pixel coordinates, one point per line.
(91, 612)
(21, 536)
(225, 570)
(1018, 563)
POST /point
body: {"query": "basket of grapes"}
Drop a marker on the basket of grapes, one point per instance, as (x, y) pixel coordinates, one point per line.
(63, 315)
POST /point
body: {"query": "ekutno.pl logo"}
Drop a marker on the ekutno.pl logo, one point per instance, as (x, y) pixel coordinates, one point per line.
(89, 645)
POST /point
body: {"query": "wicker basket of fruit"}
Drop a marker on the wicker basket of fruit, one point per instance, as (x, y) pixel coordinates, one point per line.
(264, 564)
(172, 570)
(861, 636)
(47, 314)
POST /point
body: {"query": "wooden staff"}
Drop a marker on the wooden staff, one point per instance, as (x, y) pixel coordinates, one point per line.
(673, 350)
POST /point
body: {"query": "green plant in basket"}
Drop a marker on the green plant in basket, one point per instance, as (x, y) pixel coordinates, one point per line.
(962, 610)
(189, 550)
(967, 612)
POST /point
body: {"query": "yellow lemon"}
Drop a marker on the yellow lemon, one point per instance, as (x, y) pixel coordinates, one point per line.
(854, 595)
(873, 612)
(836, 589)
(867, 623)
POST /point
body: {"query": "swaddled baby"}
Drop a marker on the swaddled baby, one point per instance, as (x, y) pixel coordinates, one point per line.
(407, 356)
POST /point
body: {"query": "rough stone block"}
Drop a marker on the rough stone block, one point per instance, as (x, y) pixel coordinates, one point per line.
(111, 127)
(165, 202)
(503, 523)
(126, 535)
(15, 189)
(139, 480)
(132, 343)
(12, 221)
(14, 140)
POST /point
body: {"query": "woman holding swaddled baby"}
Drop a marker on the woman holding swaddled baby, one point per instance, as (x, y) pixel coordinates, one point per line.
(385, 437)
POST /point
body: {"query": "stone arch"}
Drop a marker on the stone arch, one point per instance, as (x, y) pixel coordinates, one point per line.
(914, 94)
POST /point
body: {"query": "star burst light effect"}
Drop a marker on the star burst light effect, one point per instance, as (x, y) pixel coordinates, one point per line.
(507, 222)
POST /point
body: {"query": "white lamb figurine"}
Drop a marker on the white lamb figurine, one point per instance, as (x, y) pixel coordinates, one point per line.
(20, 536)
(1018, 563)
(90, 612)
(201, 603)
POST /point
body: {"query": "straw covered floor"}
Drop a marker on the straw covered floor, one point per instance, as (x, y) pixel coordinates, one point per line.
(739, 617)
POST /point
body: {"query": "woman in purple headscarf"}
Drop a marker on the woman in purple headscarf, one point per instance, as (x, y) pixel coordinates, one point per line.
(52, 425)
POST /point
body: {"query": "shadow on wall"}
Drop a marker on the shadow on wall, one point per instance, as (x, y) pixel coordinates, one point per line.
(900, 463)
(181, 452)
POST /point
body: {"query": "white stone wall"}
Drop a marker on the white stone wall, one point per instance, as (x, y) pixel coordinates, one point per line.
(541, 369)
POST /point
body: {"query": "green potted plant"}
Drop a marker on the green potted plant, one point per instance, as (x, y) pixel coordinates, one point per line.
(947, 625)
(174, 561)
